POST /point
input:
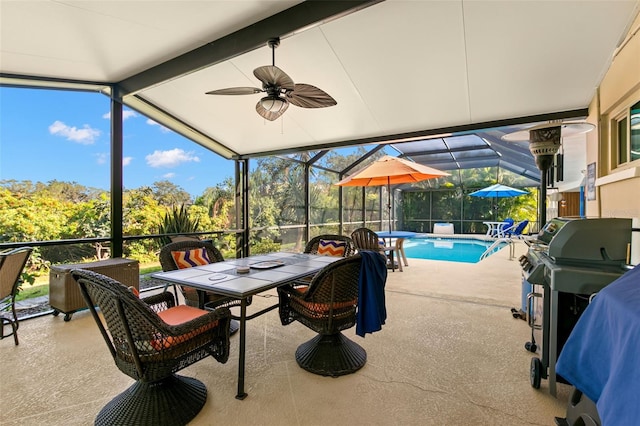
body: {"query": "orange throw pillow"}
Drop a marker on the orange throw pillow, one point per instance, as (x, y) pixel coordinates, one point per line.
(190, 258)
(331, 248)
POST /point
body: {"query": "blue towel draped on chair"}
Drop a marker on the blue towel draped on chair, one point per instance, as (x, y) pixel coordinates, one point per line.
(372, 311)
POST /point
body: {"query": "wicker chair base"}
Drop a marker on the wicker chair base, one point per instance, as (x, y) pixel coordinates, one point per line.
(331, 355)
(175, 400)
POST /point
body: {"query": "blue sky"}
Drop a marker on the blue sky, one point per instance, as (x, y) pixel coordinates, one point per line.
(61, 135)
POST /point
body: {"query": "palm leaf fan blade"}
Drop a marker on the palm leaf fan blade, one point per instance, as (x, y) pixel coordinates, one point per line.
(308, 96)
(270, 75)
(235, 91)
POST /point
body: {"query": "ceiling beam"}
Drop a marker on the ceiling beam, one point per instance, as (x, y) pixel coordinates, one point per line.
(424, 159)
(527, 173)
(427, 134)
(302, 16)
(440, 150)
(512, 151)
(527, 165)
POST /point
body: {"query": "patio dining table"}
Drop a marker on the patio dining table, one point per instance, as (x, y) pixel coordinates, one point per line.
(265, 273)
(399, 236)
(496, 229)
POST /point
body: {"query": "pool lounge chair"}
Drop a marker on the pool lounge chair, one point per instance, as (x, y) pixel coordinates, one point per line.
(516, 230)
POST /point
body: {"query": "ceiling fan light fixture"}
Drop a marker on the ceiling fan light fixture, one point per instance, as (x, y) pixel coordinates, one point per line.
(273, 104)
(280, 89)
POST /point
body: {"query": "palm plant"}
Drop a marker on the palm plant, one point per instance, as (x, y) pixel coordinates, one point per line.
(177, 221)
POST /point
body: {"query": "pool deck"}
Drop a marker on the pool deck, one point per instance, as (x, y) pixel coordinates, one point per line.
(450, 353)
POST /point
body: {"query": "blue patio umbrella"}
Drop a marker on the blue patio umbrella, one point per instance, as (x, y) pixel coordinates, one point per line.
(498, 191)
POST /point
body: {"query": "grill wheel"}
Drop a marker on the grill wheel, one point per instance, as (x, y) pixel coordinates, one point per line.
(536, 372)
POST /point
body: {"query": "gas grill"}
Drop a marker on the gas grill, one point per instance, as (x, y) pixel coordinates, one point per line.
(570, 260)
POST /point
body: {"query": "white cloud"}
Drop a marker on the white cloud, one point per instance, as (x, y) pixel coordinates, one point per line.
(86, 135)
(169, 175)
(163, 129)
(171, 158)
(126, 161)
(127, 113)
(102, 158)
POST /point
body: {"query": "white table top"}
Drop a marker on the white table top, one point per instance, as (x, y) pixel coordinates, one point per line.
(222, 278)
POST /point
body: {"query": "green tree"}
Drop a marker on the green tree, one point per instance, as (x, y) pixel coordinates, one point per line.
(219, 202)
(169, 194)
(141, 216)
(93, 220)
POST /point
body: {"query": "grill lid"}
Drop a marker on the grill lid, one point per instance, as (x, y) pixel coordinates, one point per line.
(592, 241)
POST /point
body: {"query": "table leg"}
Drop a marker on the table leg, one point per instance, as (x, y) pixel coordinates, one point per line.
(241, 356)
(392, 250)
(400, 248)
(397, 247)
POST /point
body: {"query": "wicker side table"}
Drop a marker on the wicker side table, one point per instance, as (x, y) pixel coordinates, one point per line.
(64, 293)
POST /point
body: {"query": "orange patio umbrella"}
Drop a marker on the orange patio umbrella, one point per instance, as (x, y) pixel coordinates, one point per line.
(391, 171)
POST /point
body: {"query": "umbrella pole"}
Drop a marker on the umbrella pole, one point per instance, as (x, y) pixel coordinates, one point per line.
(495, 209)
(389, 203)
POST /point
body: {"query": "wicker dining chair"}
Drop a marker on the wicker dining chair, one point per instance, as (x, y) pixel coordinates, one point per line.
(327, 306)
(200, 299)
(150, 340)
(316, 244)
(12, 263)
(366, 239)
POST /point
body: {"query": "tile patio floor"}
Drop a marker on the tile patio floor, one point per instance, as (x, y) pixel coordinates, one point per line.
(450, 354)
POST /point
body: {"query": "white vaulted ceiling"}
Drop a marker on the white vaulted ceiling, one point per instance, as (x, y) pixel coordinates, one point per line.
(397, 69)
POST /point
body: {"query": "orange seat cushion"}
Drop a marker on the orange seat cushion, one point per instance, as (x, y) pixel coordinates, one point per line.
(322, 309)
(179, 315)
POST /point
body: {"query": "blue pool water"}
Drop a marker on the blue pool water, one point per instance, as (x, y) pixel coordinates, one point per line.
(449, 249)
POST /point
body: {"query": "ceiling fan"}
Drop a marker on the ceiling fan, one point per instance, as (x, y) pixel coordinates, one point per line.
(280, 89)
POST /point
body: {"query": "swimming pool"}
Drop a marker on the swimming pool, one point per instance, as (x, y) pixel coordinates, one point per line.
(467, 250)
